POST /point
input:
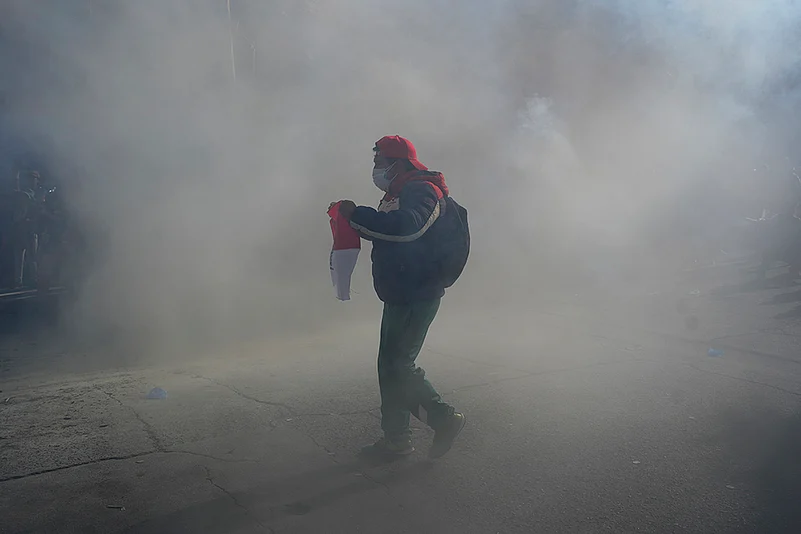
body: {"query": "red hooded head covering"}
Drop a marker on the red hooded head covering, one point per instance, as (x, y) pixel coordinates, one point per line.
(397, 147)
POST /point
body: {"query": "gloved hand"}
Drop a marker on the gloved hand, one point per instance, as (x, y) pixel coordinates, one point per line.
(346, 208)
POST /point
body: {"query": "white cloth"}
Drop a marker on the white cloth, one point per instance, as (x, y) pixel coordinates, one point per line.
(342, 264)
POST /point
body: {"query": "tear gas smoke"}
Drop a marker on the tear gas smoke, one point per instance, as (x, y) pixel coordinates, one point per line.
(202, 151)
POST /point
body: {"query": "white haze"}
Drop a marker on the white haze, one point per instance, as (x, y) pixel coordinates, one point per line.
(583, 136)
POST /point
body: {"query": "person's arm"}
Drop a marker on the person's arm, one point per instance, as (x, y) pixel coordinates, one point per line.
(418, 209)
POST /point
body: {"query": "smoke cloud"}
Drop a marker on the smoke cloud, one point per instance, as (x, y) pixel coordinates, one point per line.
(200, 150)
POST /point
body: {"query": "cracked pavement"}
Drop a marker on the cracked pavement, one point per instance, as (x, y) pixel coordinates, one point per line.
(597, 416)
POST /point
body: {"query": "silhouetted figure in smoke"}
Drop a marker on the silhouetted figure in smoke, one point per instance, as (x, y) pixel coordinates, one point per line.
(53, 230)
(23, 235)
(407, 232)
(7, 217)
(17, 214)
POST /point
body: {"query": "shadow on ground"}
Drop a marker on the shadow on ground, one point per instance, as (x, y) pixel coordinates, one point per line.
(280, 498)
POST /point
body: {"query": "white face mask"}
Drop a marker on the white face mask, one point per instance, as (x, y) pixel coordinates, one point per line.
(381, 178)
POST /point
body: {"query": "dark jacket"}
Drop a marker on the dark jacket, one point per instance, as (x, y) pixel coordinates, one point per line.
(403, 232)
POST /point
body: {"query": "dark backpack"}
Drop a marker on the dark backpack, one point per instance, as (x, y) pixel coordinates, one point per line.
(452, 246)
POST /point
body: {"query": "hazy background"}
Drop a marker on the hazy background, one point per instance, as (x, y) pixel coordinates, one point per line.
(588, 139)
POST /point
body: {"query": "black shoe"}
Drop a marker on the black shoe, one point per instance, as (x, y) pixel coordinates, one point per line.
(385, 448)
(446, 434)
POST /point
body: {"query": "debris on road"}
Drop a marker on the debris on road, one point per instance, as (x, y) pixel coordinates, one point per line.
(157, 393)
(715, 353)
(7, 399)
(695, 293)
(636, 462)
(116, 507)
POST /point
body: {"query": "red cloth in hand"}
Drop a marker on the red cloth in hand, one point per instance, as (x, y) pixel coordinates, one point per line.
(345, 236)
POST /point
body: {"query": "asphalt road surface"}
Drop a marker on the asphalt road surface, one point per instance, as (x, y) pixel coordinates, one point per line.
(594, 414)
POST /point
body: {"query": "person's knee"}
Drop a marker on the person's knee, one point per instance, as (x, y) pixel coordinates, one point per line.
(397, 370)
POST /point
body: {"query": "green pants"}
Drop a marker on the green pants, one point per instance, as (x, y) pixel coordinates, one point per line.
(404, 388)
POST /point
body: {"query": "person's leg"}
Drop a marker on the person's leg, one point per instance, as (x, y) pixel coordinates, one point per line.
(6, 260)
(394, 412)
(19, 265)
(33, 257)
(404, 387)
(421, 398)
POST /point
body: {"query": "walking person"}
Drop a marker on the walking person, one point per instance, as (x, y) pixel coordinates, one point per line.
(420, 246)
